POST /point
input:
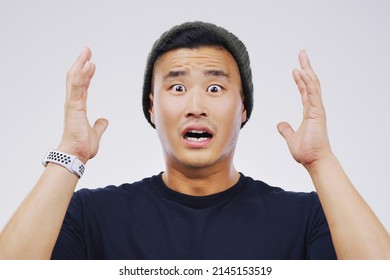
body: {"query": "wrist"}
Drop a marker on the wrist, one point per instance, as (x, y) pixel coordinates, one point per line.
(327, 159)
(69, 149)
(71, 162)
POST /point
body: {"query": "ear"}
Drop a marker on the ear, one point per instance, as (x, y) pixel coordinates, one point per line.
(151, 108)
(243, 115)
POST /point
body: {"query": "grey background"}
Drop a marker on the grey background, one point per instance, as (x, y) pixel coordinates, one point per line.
(347, 41)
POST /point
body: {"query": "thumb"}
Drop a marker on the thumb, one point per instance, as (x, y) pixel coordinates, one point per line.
(285, 130)
(100, 126)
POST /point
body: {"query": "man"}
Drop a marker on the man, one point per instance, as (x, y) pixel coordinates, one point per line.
(197, 94)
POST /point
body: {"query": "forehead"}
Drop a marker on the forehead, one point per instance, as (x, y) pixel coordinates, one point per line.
(216, 58)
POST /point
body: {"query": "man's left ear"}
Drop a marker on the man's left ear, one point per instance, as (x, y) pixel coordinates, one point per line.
(243, 115)
(151, 108)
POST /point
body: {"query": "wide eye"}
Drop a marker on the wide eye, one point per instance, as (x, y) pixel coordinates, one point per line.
(214, 89)
(178, 88)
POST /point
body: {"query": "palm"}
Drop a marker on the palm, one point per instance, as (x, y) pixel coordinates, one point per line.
(80, 138)
(310, 141)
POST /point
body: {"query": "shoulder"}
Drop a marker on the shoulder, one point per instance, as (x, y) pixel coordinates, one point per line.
(125, 187)
(293, 208)
(114, 193)
(279, 196)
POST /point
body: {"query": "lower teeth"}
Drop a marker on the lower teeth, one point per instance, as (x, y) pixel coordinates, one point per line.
(193, 139)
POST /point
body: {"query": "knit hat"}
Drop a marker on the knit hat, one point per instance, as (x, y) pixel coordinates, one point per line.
(224, 38)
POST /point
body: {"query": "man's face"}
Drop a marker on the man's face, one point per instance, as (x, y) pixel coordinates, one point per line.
(197, 106)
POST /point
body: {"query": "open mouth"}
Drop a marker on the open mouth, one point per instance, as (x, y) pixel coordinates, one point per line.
(197, 136)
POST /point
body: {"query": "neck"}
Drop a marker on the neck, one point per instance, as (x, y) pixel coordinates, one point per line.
(200, 181)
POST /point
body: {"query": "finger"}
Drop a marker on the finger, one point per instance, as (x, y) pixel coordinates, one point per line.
(90, 72)
(78, 80)
(83, 76)
(81, 65)
(304, 59)
(83, 79)
(100, 127)
(305, 63)
(300, 85)
(312, 92)
(299, 82)
(285, 130)
(84, 56)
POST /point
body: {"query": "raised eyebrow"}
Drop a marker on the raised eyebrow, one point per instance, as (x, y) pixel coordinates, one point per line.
(215, 73)
(175, 74)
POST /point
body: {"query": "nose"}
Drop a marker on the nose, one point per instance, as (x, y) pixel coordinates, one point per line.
(196, 104)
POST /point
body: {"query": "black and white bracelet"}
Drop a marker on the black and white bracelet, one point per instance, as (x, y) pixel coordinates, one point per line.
(72, 163)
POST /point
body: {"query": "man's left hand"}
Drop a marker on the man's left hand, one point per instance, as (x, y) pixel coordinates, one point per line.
(310, 142)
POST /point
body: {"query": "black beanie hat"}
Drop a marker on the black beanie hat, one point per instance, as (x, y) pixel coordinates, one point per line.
(226, 39)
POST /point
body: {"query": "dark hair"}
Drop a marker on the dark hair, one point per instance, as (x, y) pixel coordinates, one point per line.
(195, 35)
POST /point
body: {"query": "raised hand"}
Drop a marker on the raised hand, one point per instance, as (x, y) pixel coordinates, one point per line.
(33, 230)
(310, 142)
(79, 137)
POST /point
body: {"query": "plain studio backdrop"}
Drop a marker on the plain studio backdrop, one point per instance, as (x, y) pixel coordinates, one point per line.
(347, 41)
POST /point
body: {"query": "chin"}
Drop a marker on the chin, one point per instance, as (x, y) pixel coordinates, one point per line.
(207, 160)
(197, 159)
(197, 163)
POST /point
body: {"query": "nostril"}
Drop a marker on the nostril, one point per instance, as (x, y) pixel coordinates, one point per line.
(196, 115)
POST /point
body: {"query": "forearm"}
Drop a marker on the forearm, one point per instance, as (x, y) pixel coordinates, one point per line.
(356, 231)
(33, 230)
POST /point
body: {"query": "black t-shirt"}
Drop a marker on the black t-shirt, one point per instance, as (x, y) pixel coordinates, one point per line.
(147, 220)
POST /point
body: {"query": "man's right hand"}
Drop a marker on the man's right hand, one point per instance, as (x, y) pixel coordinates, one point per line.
(79, 137)
(33, 230)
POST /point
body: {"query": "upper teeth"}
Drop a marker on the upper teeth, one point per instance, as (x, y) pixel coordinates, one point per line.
(197, 131)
